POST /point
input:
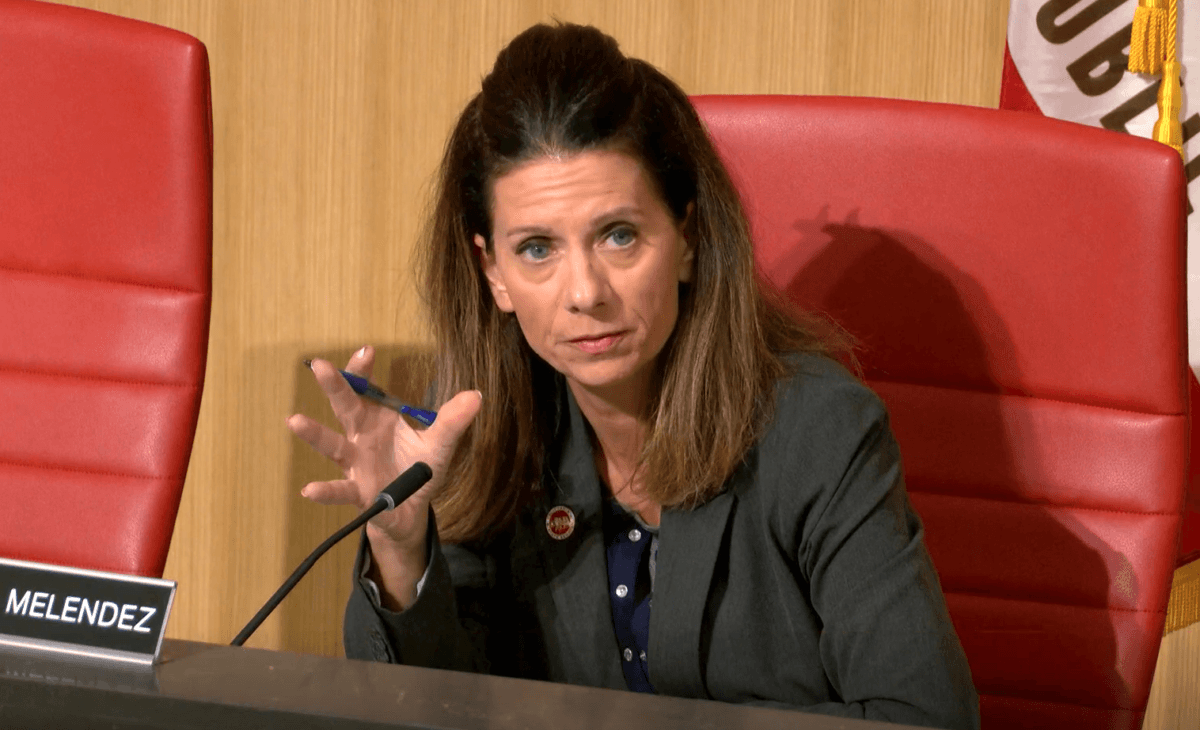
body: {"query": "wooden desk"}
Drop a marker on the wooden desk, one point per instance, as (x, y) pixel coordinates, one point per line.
(210, 686)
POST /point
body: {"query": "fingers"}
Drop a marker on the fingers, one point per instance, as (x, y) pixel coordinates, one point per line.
(347, 406)
(436, 444)
(362, 362)
(325, 441)
(455, 415)
(339, 491)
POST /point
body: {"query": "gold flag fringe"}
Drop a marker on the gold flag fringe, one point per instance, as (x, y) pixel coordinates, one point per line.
(1147, 43)
(1183, 609)
(1153, 50)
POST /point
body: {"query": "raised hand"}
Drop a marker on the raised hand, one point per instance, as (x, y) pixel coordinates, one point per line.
(375, 446)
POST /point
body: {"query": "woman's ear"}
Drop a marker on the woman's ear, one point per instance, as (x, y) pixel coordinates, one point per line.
(688, 258)
(495, 281)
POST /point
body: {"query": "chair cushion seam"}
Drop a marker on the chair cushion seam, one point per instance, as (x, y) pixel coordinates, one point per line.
(970, 594)
(1046, 504)
(84, 470)
(98, 378)
(1059, 703)
(871, 381)
(102, 280)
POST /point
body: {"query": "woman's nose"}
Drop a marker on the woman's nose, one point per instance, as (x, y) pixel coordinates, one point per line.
(586, 285)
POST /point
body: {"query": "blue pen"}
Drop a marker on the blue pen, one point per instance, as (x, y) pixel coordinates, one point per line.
(373, 392)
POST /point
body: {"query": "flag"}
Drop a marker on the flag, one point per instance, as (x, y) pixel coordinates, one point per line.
(1067, 59)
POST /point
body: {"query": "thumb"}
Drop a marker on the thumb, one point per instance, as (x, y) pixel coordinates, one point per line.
(455, 415)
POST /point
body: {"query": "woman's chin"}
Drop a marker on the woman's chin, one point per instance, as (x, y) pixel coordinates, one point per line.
(604, 375)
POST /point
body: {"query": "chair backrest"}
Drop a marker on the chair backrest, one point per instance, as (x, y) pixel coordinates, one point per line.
(105, 282)
(1017, 287)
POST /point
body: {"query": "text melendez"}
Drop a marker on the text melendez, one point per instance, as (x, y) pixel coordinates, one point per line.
(76, 610)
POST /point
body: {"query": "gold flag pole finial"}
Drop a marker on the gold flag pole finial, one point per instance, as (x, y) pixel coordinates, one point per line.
(1152, 50)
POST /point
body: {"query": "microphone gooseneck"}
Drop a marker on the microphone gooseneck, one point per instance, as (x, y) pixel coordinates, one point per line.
(401, 488)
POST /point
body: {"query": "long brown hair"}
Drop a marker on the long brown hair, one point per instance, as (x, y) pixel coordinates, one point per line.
(558, 90)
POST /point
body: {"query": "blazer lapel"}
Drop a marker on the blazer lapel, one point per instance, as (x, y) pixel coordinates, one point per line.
(582, 645)
(688, 546)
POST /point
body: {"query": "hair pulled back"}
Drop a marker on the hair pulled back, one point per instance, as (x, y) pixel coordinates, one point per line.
(559, 90)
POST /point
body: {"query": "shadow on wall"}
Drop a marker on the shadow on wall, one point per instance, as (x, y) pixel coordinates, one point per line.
(1015, 573)
(311, 616)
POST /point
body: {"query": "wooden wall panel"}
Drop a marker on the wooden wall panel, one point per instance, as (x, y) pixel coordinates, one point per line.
(329, 119)
(1174, 702)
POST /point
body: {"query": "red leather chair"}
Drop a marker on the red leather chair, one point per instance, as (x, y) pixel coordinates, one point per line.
(105, 282)
(1017, 286)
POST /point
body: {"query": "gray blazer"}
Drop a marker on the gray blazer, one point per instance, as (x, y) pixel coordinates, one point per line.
(805, 584)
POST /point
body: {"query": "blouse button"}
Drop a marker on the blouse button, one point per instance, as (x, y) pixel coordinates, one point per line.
(628, 654)
(635, 534)
(622, 591)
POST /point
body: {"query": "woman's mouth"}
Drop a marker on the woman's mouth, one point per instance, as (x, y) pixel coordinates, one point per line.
(598, 344)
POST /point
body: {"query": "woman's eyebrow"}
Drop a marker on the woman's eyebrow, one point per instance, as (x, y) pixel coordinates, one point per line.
(531, 230)
(600, 219)
(625, 211)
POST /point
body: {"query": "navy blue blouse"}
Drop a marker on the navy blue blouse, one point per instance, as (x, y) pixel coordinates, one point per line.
(631, 557)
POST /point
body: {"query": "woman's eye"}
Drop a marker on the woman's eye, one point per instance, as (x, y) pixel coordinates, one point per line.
(621, 236)
(533, 250)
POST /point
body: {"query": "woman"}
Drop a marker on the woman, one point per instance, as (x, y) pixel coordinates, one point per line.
(647, 473)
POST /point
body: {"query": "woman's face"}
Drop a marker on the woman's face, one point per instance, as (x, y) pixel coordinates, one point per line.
(589, 259)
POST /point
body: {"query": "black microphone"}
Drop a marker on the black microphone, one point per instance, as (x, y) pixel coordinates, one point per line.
(401, 488)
